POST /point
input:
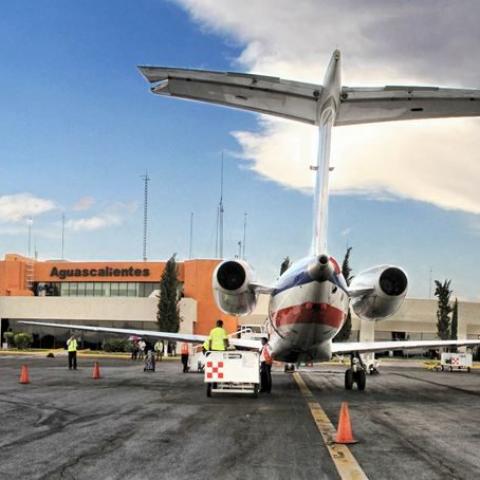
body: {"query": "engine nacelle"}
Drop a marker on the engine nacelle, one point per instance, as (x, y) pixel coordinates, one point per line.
(231, 286)
(384, 287)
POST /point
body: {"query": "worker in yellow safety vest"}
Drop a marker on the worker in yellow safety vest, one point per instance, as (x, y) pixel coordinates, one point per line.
(72, 352)
(218, 338)
(205, 346)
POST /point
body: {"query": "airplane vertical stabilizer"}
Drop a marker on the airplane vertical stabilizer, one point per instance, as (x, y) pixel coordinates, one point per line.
(328, 104)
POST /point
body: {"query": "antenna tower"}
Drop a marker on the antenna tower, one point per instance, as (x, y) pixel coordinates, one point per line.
(219, 239)
(146, 179)
(244, 235)
(29, 226)
(190, 246)
(63, 237)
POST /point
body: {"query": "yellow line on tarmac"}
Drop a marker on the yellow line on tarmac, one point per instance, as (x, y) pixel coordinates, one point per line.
(345, 463)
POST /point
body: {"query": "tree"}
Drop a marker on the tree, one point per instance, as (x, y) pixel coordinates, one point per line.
(344, 334)
(168, 314)
(443, 292)
(22, 340)
(454, 326)
(285, 265)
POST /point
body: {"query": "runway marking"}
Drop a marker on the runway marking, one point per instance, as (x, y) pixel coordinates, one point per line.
(345, 463)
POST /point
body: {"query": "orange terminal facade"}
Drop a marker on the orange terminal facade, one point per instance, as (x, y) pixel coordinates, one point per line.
(21, 276)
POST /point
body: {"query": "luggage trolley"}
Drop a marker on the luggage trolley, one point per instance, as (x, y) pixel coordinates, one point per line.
(234, 371)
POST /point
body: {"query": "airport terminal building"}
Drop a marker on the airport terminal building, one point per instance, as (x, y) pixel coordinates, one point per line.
(125, 295)
(111, 294)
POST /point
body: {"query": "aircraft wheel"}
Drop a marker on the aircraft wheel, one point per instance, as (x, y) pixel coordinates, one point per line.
(349, 379)
(209, 389)
(361, 379)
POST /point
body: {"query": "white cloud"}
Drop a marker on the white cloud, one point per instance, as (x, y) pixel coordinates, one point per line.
(382, 43)
(83, 203)
(19, 207)
(95, 222)
(112, 216)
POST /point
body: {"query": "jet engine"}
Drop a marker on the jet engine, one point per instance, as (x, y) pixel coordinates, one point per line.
(378, 292)
(231, 286)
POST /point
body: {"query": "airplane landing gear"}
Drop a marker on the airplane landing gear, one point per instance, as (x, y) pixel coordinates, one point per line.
(356, 374)
(289, 368)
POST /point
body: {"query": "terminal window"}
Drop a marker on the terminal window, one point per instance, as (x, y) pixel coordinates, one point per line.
(97, 289)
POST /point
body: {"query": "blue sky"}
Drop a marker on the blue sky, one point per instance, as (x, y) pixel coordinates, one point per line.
(79, 128)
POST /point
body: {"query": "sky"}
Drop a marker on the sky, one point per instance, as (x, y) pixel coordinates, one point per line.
(79, 128)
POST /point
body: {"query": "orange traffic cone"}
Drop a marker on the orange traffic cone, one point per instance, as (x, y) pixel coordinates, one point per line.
(24, 377)
(96, 371)
(344, 431)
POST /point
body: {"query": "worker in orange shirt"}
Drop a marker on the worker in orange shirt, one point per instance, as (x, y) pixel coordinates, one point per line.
(265, 367)
(184, 356)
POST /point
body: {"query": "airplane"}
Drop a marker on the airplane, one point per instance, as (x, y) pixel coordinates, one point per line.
(310, 301)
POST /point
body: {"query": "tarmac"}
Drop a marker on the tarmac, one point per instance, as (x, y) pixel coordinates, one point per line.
(130, 424)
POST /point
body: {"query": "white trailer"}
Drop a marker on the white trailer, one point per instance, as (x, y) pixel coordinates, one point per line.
(232, 371)
(450, 361)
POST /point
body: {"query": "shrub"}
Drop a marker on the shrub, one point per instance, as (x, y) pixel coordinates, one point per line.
(9, 339)
(22, 340)
(116, 345)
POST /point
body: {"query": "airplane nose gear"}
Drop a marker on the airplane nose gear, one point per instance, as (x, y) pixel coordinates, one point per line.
(289, 368)
(356, 373)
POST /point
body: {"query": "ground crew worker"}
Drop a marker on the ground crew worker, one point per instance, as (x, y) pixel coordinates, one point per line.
(205, 346)
(265, 367)
(72, 352)
(218, 338)
(184, 356)
(159, 347)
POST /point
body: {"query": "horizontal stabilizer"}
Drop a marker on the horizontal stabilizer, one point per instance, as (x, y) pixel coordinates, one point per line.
(369, 105)
(270, 95)
(299, 101)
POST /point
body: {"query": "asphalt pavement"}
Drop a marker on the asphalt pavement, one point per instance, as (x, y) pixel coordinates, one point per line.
(134, 425)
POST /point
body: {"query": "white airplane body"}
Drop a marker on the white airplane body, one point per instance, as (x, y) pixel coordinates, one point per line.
(310, 301)
(306, 312)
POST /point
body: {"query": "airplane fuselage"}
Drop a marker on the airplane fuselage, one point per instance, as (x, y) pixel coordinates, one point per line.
(305, 313)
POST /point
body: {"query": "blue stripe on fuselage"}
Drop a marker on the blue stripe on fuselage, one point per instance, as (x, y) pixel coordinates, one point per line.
(302, 278)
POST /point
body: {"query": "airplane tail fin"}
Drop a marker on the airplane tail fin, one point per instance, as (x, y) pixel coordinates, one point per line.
(327, 106)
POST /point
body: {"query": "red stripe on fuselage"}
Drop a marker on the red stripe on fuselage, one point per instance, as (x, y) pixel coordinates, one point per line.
(336, 266)
(319, 313)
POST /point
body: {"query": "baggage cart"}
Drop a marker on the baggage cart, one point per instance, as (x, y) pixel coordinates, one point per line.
(450, 361)
(232, 371)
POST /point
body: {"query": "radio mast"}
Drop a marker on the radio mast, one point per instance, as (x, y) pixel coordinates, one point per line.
(63, 236)
(219, 239)
(244, 235)
(29, 227)
(190, 246)
(146, 179)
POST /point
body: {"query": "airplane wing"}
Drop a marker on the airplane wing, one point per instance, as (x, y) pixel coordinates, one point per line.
(365, 347)
(298, 100)
(176, 337)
